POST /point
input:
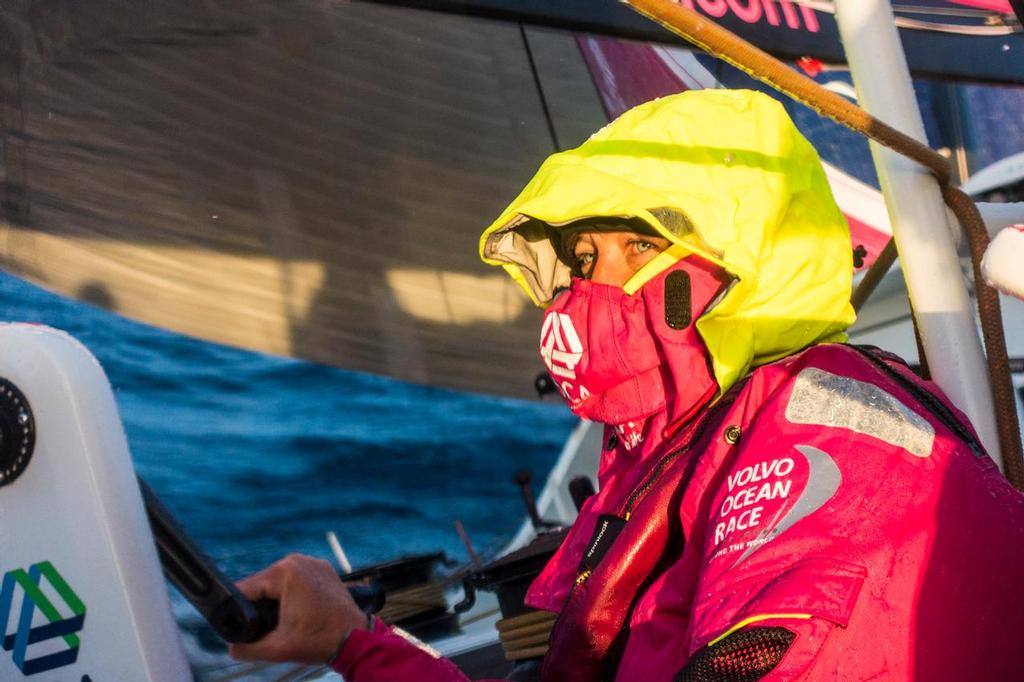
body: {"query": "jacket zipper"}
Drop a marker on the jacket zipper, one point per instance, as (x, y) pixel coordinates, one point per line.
(626, 510)
(646, 485)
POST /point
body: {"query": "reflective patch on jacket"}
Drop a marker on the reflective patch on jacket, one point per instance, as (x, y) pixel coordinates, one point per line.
(825, 399)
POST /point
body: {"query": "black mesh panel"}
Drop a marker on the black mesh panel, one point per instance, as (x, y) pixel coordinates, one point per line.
(744, 656)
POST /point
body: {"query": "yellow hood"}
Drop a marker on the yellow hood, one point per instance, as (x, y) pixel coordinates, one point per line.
(722, 174)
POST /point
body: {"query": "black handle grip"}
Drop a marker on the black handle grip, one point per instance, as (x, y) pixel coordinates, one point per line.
(197, 578)
(229, 613)
(369, 598)
(268, 611)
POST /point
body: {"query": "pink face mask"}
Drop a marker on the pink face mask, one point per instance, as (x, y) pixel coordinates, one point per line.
(618, 358)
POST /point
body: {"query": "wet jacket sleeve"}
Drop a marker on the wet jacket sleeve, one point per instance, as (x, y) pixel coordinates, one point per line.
(385, 655)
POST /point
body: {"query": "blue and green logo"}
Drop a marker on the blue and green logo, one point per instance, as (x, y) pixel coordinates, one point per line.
(54, 622)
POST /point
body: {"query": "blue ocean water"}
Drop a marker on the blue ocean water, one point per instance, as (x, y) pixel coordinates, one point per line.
(258, 456)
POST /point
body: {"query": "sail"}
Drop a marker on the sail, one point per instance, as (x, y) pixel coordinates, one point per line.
(309, 178)
(977, 40)
(306, 178)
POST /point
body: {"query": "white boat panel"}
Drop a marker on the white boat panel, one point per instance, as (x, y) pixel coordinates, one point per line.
(83, 592)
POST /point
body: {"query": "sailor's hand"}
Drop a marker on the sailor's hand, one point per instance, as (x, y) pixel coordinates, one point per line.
(316, 611)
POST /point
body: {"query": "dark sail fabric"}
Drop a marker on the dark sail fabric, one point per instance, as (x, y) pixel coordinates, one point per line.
(305, 178)
(308, 177)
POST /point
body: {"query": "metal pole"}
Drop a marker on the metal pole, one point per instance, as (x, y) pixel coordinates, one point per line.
(928, 255)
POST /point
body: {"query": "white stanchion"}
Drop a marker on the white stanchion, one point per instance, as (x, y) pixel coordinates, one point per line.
(943, 308)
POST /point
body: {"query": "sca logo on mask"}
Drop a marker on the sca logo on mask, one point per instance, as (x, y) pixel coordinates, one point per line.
(562, 350)
(560, 345)
(40, 634)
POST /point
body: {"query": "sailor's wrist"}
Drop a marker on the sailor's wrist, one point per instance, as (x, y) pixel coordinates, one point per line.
(370, 624)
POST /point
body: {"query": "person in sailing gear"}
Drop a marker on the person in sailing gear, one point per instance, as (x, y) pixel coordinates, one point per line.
(774, 504)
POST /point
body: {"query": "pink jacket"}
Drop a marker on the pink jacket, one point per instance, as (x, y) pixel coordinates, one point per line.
(835, 511)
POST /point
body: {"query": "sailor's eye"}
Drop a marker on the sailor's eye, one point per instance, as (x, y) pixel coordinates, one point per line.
(584, 262)
(642, 246)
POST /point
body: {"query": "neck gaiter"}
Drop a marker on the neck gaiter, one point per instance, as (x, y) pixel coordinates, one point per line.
(618, 359)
